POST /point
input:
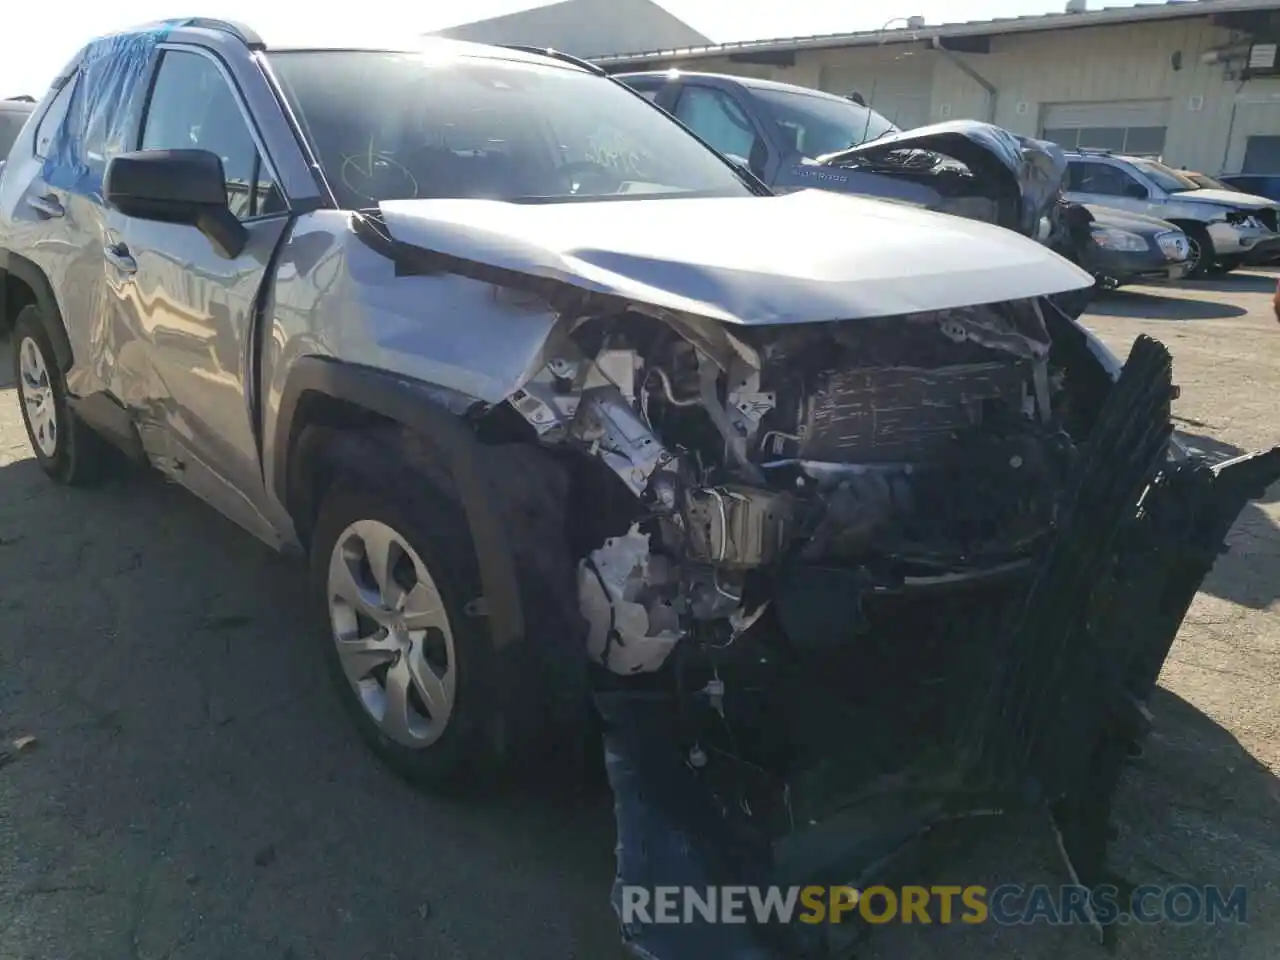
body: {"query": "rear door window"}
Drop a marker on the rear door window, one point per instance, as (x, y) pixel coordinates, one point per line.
(649, 89)
(54, 117)
(1099, 178)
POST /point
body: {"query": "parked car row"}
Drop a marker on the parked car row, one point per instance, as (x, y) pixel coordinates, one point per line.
(1227, 228)
(1133, 219)
(794, 138)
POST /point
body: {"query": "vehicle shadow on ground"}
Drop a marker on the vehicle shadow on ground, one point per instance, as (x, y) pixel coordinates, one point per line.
(1196, 809)
(1249, 572)
(196, 789)
(1147, 306)
(1231, 283)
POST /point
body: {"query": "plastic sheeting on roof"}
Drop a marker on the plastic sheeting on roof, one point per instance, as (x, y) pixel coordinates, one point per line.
(105, 108)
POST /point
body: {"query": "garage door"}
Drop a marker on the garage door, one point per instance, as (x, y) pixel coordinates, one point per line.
(1127, 126)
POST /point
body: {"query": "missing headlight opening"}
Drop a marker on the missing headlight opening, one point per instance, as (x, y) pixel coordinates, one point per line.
(903, 449)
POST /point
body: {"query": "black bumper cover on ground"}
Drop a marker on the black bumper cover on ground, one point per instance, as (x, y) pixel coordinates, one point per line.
(1079, 648)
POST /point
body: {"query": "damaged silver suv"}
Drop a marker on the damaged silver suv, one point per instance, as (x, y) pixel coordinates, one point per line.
(818, 506)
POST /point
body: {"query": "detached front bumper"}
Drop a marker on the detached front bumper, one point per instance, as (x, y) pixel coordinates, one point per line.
(1047, 702)
(1255, 244)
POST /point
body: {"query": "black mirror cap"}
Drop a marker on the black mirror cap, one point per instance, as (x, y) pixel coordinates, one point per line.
(173, 186)
(176, 186)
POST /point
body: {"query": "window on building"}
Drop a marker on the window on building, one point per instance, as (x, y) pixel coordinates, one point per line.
(1136, 141)
(1099, 178)
(1262, 155)
(1144, 141)
(719, 120)
(192, 107)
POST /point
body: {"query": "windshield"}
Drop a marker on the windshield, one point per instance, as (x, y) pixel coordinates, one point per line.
(1209, 183)
(391, 126)
(820, 125)
(1166, 178)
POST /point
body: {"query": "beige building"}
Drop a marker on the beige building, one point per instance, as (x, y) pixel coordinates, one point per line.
(1197, 82)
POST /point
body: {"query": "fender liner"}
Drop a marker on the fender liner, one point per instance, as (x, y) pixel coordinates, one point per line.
(13, 265)
(407, 403)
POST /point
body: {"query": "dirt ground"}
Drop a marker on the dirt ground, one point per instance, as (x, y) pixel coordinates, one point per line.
(194, 792)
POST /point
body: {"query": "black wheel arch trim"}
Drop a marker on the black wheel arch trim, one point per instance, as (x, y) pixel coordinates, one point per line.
(400, 400)
(11, 264)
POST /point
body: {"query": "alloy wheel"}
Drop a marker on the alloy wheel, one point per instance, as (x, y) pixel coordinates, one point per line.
(36, 392)
(392, 633)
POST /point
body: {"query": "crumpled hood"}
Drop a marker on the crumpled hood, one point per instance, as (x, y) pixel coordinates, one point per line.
(1226, 198)
(803, 257)
(1032, 170)
(1124, 220)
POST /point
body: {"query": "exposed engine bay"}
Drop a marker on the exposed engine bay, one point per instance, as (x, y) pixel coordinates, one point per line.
(908, 448)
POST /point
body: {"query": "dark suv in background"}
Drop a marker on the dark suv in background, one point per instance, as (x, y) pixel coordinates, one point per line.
(13, 116)
(794, 138)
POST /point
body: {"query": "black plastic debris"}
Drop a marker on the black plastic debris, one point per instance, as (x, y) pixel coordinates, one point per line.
(1040, 709)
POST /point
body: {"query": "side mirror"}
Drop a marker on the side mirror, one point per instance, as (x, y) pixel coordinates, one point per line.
(176, 186)
(1136, 191)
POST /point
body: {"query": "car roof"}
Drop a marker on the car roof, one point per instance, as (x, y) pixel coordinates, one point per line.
(191, 28)
(754, 83)
(17, 106)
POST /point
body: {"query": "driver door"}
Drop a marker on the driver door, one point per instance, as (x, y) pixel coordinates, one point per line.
(193, 310)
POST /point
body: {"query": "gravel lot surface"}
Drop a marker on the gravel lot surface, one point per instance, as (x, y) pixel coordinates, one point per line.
(194, 792)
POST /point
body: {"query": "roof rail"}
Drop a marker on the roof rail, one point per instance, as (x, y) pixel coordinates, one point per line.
(1104, 151)
(238, 30)
(557, 55)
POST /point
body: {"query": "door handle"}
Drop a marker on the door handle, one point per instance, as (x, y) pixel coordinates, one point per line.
(118, 256)
(48, 206)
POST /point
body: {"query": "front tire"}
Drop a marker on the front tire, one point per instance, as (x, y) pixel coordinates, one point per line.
(393, 577)
(1202, 255)
(66, 448)
(1225, 265)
